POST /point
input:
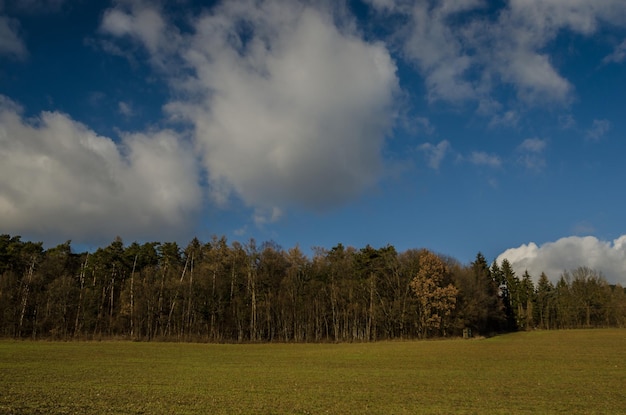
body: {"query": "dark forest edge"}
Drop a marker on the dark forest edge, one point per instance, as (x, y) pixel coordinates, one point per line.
(221, 292)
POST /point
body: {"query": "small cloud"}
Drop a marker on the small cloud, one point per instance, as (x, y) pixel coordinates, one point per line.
(267, 215)
(488, 106)
(423, 124)
(509, 118)
(111, 48)
(10, 42)
(533, 145)
(531, 154)
(480, 158)
(567, 122)
(532, 162)
(435, 153)
(384, 5)
(598, 129)
(241, 231)
(618, 55)
(125, 109)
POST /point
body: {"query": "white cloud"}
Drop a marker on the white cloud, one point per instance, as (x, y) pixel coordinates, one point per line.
(241, 231)
(507, 119)
(509, 51)
(437, 50)
(618, 55)
(263, 215)
(422, 124)
(568, 254)
(142, 21)
(513, 48)
(531, 153)
(567, 122)
(60, 178)
(481, 158)
(286, 107)
(435, 153)
(464, 55)
(125, 109)
(11, 43)
(533, 145)
(598, 129)
(383, 5)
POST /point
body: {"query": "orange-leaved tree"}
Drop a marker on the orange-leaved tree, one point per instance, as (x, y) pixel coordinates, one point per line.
(435, 299)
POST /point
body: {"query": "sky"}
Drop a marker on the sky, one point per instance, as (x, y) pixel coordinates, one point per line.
(460, 126)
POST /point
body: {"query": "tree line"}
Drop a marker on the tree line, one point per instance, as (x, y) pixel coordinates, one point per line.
(221, 292)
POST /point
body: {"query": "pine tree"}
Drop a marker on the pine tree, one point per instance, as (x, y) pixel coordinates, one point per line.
(494, 317)
(545, 302)
(508, 286)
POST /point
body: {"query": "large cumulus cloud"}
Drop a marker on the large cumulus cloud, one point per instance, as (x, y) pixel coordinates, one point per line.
(288, 107)
(276, 104)
(61, 178)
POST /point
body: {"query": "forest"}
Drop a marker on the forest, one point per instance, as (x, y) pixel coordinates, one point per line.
(232, 292)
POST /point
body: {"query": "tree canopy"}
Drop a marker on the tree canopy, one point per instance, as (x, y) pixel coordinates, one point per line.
(218, 291)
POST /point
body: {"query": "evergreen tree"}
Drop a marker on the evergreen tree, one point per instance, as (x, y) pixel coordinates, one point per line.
(508, 286)
(545, 302)
(527, 302)
(495, 317)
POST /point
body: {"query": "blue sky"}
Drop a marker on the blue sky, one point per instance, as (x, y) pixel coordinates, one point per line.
(458, 126)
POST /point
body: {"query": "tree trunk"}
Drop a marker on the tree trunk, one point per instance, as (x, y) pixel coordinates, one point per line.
(371, 319)
(169, 316)
(190, 299)
(160, 304)
(111, 301)
(77, 325)
(252, 288)
(132, 299)
(25, 295)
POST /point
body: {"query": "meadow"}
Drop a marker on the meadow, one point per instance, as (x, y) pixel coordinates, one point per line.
(569, 372)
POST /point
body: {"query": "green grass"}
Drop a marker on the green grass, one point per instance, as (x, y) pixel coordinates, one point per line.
(567, 372)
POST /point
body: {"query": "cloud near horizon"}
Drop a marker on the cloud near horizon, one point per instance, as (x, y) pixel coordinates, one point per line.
(567, 254)
(72, 183)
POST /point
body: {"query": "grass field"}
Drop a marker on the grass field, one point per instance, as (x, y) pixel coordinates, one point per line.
(569, 372)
